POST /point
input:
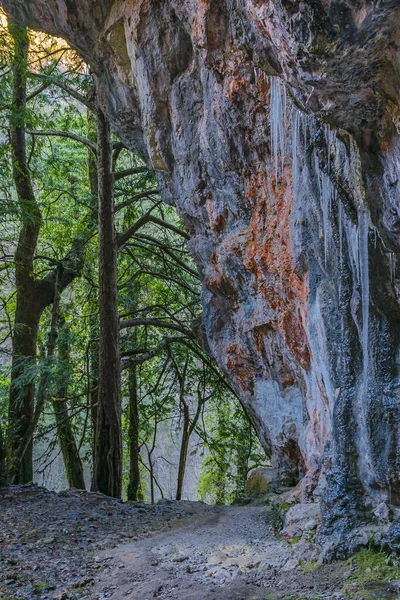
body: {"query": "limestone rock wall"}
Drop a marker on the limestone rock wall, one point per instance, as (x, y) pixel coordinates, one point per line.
(274, 128)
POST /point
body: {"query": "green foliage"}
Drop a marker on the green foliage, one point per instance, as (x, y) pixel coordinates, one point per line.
(370, 573)
(232, 451)
(372, 565)
(310, 566)
(158, 286)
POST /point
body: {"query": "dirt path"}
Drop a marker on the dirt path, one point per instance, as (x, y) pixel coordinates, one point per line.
(77, 545)
(50, 543)
(230, 554)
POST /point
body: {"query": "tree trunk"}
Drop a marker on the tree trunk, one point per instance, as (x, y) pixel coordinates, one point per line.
(134, 471)
(93, 386)
(26, 441)
(66, 439)
(242, 451)
(107, 472)
(27, 315)
(3, 476)
(93, 354)
(151, 471)
(220, 495)
(21, 399)
(184, 448)
(186, 428)
(32, 295)
(150, 461)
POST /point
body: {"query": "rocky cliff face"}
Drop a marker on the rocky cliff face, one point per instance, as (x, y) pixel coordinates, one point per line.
(274, 128)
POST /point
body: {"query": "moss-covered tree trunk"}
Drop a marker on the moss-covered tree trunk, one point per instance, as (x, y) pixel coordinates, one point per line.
(93, 353)
(107, 472)
(188, 427)
(66, 438)
(184, 449)
(134, 470)
(33, 295)
(3, 476)
(27, 313)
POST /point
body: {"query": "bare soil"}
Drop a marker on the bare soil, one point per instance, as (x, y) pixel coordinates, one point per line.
(76, 545)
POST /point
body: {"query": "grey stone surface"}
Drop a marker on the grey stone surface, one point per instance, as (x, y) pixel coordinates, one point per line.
(301, 519)
(260, 480)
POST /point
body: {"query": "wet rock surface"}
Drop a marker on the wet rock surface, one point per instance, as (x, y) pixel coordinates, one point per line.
(274, 128)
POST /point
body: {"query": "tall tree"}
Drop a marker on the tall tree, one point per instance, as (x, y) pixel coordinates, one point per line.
(134, 492)
(93, 354)
(185, 411)
(107, 471)
(3, 476)
(27, 312)
(66, 439)
(188, 426)
(33, 294)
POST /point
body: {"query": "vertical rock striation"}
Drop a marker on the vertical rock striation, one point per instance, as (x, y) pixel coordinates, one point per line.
(274, 128)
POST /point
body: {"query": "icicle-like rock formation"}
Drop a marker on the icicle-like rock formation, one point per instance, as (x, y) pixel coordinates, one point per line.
(274, 127)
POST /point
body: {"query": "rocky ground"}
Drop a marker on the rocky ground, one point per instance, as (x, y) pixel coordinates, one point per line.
(78, 545)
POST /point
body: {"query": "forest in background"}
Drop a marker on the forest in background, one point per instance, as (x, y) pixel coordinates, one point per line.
(101, 345)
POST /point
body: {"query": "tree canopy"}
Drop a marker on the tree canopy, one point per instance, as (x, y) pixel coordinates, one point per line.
(102, 353)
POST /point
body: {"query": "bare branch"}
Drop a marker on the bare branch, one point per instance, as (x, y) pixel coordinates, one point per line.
(148, 218)
(67, 134)
(154, 242)
(64, 86)
(156, 323)
(150, 354)
(135, 198)
(36, 92)
(127, 172)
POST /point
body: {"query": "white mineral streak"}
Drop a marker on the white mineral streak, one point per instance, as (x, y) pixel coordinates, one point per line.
(278, 113)
(392, 263)
(360, 249)
(357, 234)
(348, 163)
(329, 135)
(295, 155)
(353, 247)
(326, 203)
(340, 220)
(363, 228)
